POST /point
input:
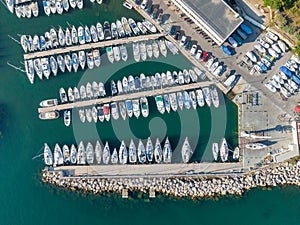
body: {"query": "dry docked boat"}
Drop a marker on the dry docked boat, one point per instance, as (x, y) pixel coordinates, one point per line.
(158, 155)
(123, 154)
(186, 151)
(48, 157)
(255, 146)
(236, 153)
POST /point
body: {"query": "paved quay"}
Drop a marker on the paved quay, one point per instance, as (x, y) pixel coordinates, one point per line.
(100, 44)
(124, 97)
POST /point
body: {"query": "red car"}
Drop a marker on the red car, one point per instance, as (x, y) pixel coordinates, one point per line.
(204, 56)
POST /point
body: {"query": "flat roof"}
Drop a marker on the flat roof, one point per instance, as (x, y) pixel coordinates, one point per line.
(216, 14)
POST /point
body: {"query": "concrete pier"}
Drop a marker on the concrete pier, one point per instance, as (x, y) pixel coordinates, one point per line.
(91, 45)
(124, 97)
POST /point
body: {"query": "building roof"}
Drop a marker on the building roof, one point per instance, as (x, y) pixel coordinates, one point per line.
(215, 15)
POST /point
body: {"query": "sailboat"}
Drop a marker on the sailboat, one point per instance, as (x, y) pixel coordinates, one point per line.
(123, 154)
(106, 153)
(58, 156)
(224, 150)
(149, 150)
(215, 150)
(141, 152)
(48, 157)
(167, 151)
(186, 151)
(132, 152)
(73, 154)
(98, 152)
(114, 156)
(158, 155)
(81, 154)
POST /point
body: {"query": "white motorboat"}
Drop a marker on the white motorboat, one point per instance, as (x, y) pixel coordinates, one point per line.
(136, 108)
(68, 37)
(186, 100)
(142, 28)
(129, 109)
(114, 110)
(94, 34)
(49, 115)
(49, 102)
(162, 48)
(66, 155)
(67, 117)
(173, 101)
(143, 51)
(122, 109)
(82, 92)
(61, 63)
(214, 96)
(63, 96)
(255, 146)
(120, 29)
(193, 99)
(126, 26)
(97, 58)
(149, 26)
(88, 90)
(132, 152)
(144, 106)
(100, 113)
(94, 114)
(110, 54)
(123, 51)
(207, 95)
(71, 95)
(155, 49)
(82, 59)
(141, 152)
(75, 61)
(90, 59)
(236, 153)
(88, 115)
(200, 98)
(81, 154)
(149, 50)
(29, 67)
(215, 150)
(79, 4)
(100, 31)
(160, 104)
(133, 26)
(158, 154)
(81, 36)
(73, 154)
(116, 51)
(81, 115)
(10, 5)
(180, 100)
(167, 103)
(90, 153)
(95, 89)
(68, 62)
(136, 52)
(114, 157)
(76, 94)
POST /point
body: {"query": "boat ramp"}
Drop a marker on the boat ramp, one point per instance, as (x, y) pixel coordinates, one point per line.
(119, 98)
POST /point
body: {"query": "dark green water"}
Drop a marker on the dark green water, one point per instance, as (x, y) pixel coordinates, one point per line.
(26, 200)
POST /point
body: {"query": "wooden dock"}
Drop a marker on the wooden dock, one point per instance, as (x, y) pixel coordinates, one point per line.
(124, 97)
(182, 49)
(101, 44)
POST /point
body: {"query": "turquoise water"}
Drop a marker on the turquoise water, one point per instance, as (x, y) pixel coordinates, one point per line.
(26, 200)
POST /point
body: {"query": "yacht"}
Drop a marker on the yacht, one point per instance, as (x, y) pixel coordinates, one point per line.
(143, 50)
(122, 109)
(49, 102)
(149, 50)
(61, 37)
(214, 96)
(167, 151)
(68, 37)
(106, 31)
(143, 81)
(74, 34)
(193, 75)
(236, 153)
(73, 3)
(45, 67)
(76, 94)
(180, 100)
(186, 76)
(48, 157)
(167, 102)
(155, 49)
(136, 108)
(63, 95)
(172, 47)
(59, 7)
(66, 5)
(67, 117)
(88, 115)
(94, 34)
(81, 59)
(133, 26)
(186, 100)
(61, 63)
(123, 51)
(97, 59)
(144, 106)
(224, 150)
(131, 84)
(180, 78)
(81, 35)
(160, 104)
(229, 82)
(120, 29)
(66, 154)
(100, 31)
(142, 28)
(90, 153)
(120, 87)
(35, 9)
(149, 150)
(10, 5)
(88, 90)
(110, 54)
(129, 109)
(173, 101)
(73, 154)
(98, 152)
(29, 67)
(136, 52)
(150, 27)
(82, 92)
(58, 156)
(186, 151)
(75, 61)
(116, 51)
(215, 150)
(163, 48)
(123, 154)
(193, 99)
(141, 152)
(114, 157)
(102, 91)
(81, 154)
(114, 30)
(113, 87)
(95, 114)
(49, 115)
(95, 89)
(126, 26)
(106, 111)
(100, 113)
(207, 95)
(114, 110)
(81, 115)
(200, 97)
(68, 62)
(87, 34)
(90, 59)
(132, 152)
(158, 154)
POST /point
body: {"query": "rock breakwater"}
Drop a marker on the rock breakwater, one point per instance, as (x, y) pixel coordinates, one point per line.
(186, 186)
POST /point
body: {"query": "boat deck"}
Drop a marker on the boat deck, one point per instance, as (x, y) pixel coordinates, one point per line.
(100, 44)
(124, 97)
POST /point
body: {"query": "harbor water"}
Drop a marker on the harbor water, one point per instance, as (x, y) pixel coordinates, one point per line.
(26, 200)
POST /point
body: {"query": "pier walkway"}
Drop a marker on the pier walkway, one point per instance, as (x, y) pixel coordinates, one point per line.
(151, 170)
(124, 97)
(91, 45)
(186, 53)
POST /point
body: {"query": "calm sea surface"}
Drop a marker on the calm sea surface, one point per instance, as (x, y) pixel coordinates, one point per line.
(26, 200)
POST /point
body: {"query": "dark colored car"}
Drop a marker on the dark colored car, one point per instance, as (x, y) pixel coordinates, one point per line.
(177, 35)
(188, 45)
(172, 30)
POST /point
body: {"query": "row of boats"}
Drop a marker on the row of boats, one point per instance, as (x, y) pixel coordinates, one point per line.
(89, 155)
(59, 6)
(26, 10)
(134, 107)
(187, 99)
(223, 150)
(85, 34)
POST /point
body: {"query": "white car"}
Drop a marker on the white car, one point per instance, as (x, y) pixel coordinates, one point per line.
(193, 49)
(270, 86)
(182, 41)
(199, 53)
(233, 42)
(144, 4)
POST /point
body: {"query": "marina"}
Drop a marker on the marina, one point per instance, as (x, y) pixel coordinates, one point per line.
(123, 97)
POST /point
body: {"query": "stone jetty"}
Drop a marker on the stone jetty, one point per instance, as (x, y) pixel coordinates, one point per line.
(187, 186)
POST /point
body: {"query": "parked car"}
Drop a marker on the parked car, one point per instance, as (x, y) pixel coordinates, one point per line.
(172, 30)
(176, 37)
(182, 41)
(193, 49)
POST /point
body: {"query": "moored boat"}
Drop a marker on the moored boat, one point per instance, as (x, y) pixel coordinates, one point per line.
(132, 152)
(141, 152)
(73, 154)
(58, 156)
(144, 106)
(49, 115)
(67, 117)
(149, 150)
(81, 154)
(158, 154)
(90, 153)
(122, 109)
(167, 151)
(186, 151)
(98, 152)
(215, 151)
(49, 102)
(224, 150)
(66, 154)
(123, 154)
(160, 104)
(48, 157)
(106, 154)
